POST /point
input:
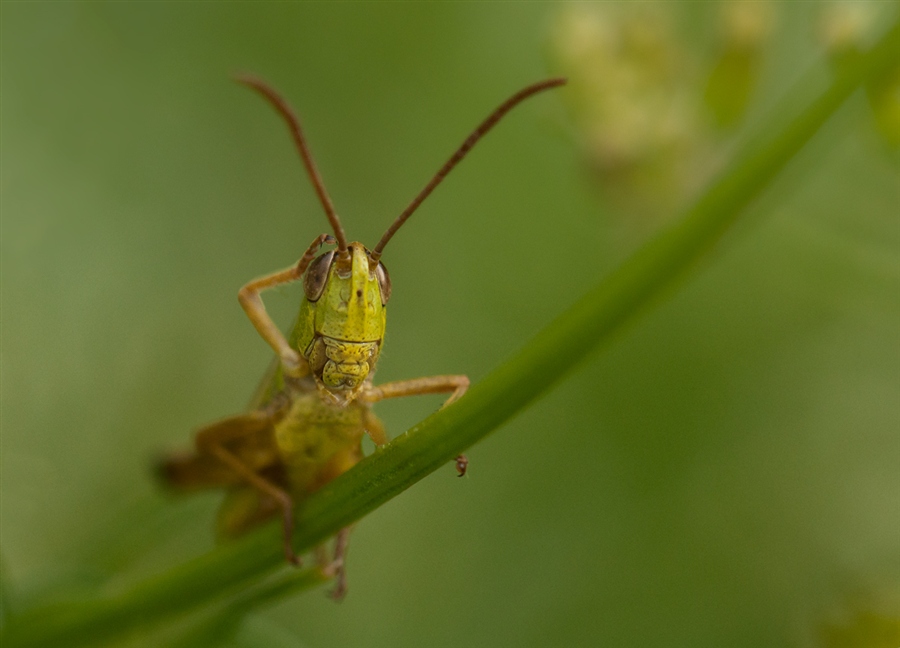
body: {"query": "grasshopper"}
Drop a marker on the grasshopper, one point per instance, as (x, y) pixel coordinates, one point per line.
(306, 422)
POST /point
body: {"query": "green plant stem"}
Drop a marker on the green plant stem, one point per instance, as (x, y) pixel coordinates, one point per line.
(222, 624)
(592, 321)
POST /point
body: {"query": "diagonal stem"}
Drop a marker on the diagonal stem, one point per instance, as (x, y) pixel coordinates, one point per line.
(592, 321)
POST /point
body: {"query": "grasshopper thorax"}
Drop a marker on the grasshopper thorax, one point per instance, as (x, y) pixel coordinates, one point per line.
(342, 319)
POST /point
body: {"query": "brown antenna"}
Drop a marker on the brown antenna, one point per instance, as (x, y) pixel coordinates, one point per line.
(294, 124)
(476, 135)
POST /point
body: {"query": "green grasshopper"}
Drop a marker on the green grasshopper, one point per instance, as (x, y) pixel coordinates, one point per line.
(306, 422)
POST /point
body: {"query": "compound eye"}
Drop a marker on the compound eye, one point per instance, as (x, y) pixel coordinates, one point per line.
(384, 282)
(317, 276)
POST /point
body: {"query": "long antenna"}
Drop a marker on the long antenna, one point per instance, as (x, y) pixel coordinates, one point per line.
(476, 135)
(294, 124)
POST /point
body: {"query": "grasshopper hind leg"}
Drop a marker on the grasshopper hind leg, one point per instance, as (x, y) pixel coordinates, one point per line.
(336, 566)
(246, 445)
(245, 507)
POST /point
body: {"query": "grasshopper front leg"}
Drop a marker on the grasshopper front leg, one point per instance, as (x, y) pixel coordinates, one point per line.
(293, 363)
(417, 386)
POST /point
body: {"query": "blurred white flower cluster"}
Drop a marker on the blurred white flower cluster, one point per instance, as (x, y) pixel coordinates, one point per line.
(654, 111)
(630, 98)
(646, 111)
(844, 29)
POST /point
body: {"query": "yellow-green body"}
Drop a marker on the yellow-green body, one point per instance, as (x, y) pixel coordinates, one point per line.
(317, 441)
(317, 422)
(308, 417)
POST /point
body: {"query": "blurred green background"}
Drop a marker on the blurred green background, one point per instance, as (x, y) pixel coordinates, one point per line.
(725, 474)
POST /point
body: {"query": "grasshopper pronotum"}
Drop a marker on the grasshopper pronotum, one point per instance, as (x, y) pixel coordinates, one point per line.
(307, 420)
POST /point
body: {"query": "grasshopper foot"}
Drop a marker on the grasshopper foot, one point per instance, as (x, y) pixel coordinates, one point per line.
(336, 568)
(291, 557)
(462, 465)
(340, 587)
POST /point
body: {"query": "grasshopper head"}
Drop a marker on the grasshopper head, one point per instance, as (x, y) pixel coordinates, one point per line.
(341, 323)
(343, 319)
